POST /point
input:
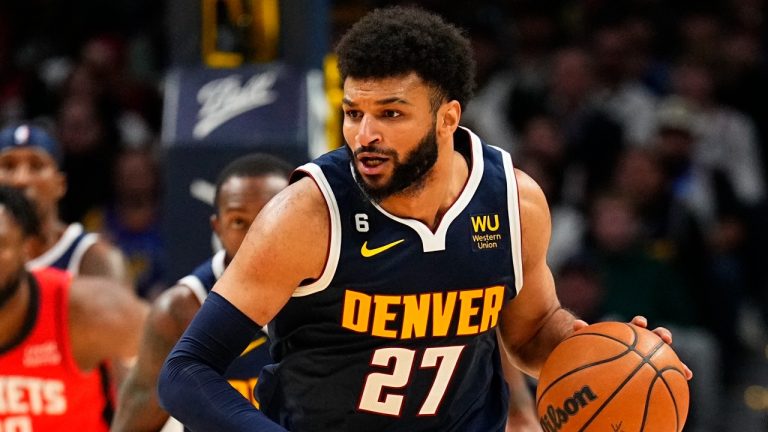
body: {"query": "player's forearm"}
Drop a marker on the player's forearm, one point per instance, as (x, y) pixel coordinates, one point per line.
(557, 326)
(138, 409)
(522, 410)
(191, 387)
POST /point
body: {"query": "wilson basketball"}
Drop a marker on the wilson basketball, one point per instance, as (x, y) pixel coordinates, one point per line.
(614, 377)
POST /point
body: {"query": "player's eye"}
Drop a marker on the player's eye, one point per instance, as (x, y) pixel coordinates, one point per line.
(352, 114)
(392, 114)
(238, 223)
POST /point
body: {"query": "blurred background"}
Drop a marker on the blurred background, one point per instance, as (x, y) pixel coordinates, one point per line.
(644, 121)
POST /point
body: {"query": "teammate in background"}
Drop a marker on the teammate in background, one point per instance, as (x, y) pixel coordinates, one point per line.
(242, 189)
(54, 332)
(387, 267)
(29, 161)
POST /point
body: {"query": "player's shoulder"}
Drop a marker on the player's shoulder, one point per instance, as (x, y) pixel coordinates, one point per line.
(103, 258)
(529, 191)
(301, 198)
(173, 310)
(96, 290)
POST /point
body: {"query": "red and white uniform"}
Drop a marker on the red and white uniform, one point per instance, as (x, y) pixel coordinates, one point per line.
(41, 386)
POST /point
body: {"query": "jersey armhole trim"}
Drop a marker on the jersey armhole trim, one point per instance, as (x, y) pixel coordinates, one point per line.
(82, 247)
(334, 248)
(513, 211)
(194, 285)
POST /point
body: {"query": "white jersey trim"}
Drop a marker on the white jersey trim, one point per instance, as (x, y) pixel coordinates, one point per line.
(513, 212)
(67, 238)
(77, 255)
(196, 285)
(334, 248)
(435, 241)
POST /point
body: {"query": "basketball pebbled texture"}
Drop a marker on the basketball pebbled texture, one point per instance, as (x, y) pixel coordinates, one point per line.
(612, 377)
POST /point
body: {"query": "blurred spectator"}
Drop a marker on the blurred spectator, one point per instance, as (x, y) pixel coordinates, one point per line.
(635, 282)
(593, 138)
(580, 289)
(672, 232)
(132, 221)
(620, 92)
(90, 144)
(726, 139)
(725, 152)
(542, 155)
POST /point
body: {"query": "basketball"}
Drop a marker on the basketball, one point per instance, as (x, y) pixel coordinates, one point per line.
(614, 377)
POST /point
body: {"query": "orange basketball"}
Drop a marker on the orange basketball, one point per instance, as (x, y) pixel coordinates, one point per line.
(613, 377)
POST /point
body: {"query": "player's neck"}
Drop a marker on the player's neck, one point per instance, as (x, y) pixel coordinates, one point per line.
(442, 188)
(51, 230)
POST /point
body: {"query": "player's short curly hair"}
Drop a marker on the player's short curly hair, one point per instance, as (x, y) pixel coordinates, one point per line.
(398, 40)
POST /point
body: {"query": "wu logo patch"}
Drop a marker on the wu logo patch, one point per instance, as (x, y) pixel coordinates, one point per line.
(487, 232)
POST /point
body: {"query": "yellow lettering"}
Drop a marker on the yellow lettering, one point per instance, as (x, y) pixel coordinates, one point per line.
(492, 302)
(381, 315)
(246, 388)
(467, 312)
(415, 315)
(478, 223)
(493, 226)
(357, 311)
(441, 314)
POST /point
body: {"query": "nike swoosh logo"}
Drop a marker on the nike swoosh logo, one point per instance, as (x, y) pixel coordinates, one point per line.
(375, 251)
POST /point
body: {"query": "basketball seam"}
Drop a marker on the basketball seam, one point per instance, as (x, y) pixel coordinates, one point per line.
(646, 360)
(660, 376)
(580, 368)
(615, 392)
(630, 348)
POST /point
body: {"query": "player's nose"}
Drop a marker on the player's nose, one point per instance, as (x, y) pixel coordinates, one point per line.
(20, 176)
(368, 132)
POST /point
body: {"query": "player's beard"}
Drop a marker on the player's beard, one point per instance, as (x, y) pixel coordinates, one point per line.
(11, 287)
(408, 176)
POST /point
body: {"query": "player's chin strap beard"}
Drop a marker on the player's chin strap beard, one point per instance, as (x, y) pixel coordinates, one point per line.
(10, 289)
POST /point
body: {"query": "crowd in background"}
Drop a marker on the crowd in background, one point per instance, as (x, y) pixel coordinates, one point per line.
(644, 121)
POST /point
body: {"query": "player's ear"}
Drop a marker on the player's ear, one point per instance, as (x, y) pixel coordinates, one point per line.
(215, 223)
(448, 117)
(60, 184)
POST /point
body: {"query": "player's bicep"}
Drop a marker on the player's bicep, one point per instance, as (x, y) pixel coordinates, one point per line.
(286, 245)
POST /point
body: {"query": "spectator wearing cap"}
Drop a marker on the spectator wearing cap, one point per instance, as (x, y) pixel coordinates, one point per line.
(29, 160)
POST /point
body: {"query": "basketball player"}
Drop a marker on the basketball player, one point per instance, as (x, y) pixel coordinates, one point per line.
(29, 161)
(54, 332)
(386, 267)
(242, 189)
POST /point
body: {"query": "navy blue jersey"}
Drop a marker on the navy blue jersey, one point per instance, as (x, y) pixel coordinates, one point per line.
(68, 252)
(243, 373)
(398, 334)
